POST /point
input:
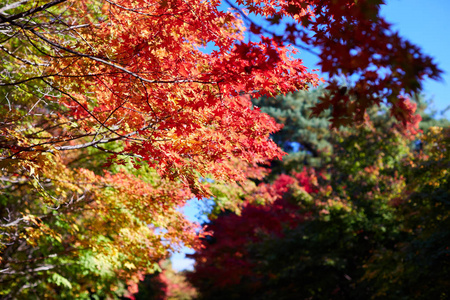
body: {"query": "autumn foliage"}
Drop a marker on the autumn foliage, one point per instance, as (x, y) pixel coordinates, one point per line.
(374, 225)
(113, 113)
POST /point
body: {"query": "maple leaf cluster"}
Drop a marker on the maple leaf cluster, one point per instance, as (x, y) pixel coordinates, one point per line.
(185, 109)
(353, 42)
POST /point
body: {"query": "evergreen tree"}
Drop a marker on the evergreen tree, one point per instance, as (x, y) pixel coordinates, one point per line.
(304, 138)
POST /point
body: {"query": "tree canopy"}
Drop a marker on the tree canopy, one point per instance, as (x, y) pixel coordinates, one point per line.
(113, 115)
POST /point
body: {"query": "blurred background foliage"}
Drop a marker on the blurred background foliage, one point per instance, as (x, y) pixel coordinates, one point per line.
(356, 213)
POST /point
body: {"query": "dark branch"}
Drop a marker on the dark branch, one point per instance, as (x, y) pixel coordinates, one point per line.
(30, 12)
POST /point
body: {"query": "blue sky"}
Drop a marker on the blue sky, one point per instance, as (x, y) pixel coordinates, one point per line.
(424, 23)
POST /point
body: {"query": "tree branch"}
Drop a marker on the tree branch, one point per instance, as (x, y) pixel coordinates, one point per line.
(13, 5)
(28, 12)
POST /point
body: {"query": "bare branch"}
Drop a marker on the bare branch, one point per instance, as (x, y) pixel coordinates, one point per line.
(22, 59)
(30, 11)
(13, 5)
